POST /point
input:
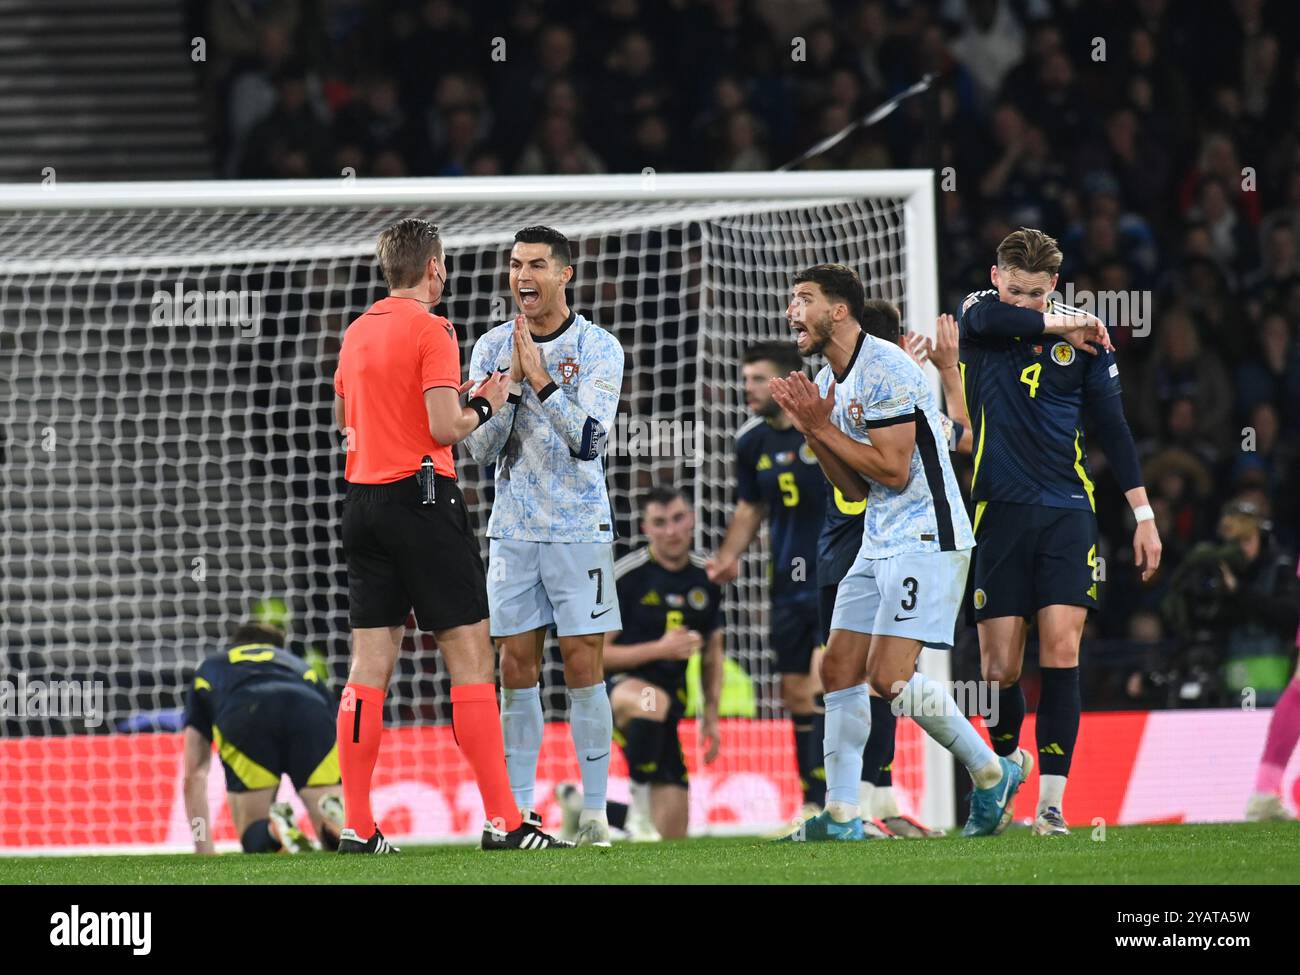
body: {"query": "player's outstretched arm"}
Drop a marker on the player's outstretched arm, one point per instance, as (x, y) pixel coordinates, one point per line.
(584, 421)
(711, 685)
(197, 760)
(486, 442)
(449, 422)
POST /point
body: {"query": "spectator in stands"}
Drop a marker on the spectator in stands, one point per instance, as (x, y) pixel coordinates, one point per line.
(293, 141)
(558, 149)
(1180, 371)
(1271, 374)
(741, 151)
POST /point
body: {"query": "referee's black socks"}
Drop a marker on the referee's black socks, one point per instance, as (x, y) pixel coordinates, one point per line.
(1005, 732)
(1059, 708)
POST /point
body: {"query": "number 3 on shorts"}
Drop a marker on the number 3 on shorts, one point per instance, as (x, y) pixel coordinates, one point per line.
(909, 604)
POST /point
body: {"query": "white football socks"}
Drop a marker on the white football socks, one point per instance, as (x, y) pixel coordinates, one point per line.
(639, 807)
(848, 724)
(591, 722)
(883, 804)
(866, 794)
(930, 704)
(1051, 792)
(521, 726)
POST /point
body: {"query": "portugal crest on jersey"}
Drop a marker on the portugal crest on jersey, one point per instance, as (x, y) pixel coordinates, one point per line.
(1062, 353)
(857, 414)
(568, 370)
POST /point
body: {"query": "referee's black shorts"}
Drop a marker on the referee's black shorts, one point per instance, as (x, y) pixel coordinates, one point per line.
(402, 554)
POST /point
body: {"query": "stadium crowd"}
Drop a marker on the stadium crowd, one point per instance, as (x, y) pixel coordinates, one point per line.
(1159, 141)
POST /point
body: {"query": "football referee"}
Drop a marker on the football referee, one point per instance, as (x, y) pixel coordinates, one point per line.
(407, 535)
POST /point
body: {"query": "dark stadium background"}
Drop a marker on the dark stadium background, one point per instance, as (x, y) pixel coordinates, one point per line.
(1136, 161)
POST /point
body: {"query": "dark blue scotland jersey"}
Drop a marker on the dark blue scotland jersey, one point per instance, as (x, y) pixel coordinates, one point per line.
(1025, 395)
(775, 468)
(653, 600)
(224, 678)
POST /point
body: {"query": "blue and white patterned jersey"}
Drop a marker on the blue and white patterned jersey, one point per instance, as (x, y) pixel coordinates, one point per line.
(883, 386)
(550, 474)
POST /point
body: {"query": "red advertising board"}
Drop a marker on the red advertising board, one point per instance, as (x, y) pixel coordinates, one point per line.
(124, 790)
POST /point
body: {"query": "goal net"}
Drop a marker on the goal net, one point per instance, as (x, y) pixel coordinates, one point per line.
(170, 467)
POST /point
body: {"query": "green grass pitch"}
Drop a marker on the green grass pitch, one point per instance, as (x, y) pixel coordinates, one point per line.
(1214, 854)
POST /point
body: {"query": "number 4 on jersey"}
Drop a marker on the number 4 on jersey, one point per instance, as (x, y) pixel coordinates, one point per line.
(1029, 376)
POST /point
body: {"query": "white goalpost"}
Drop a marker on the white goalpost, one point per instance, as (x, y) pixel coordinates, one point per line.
(169, 467)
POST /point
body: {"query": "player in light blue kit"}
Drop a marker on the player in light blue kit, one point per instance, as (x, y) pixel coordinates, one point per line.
(551, 551)
(874, 425)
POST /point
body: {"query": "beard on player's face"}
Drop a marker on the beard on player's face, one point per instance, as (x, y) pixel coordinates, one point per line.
(819, 332)
(765, 406)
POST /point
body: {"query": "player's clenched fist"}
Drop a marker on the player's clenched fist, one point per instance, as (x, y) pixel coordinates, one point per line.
(680, 643)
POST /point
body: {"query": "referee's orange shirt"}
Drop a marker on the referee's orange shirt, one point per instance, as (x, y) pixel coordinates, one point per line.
(390, 356)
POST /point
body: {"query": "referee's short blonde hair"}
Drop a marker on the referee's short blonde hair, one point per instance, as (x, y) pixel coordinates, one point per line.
(405, 250)
(1029, 250)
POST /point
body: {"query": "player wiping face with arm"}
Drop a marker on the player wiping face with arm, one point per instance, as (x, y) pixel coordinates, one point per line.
(1033, 370)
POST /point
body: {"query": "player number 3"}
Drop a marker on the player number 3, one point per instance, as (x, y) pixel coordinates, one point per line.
(909, 604)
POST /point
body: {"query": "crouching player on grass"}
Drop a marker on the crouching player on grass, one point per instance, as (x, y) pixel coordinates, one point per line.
(407, 538)
(269, 715)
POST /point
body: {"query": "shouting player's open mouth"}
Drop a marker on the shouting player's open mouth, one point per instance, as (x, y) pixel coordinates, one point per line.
(530, 299)
(801, 337)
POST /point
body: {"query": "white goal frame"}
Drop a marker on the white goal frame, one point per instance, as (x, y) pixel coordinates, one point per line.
(914, 187)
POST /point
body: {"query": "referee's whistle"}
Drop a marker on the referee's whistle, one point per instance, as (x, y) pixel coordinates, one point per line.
(427, 481)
